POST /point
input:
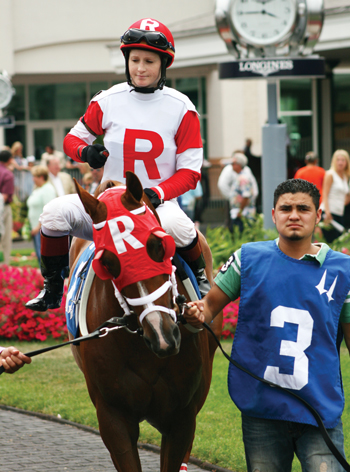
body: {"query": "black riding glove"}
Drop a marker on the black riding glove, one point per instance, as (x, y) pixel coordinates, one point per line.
(153, 197)
(95, 155)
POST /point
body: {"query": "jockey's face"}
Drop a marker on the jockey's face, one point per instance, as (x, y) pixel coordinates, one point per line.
(144, 68)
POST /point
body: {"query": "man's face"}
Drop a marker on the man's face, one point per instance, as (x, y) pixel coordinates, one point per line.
(54, 166)
(236, 167)
(295, 216)
(97, 175)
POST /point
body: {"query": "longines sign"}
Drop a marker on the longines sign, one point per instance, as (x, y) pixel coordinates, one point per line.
(280, 68)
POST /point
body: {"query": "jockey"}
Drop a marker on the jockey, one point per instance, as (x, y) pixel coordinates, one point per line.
(149, 129)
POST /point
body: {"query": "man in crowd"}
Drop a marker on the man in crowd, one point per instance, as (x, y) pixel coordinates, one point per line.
(51, 152)
(311, 171)
(62, 181)
(238, 185)
(293, 312)
(96, 179)
(7, 188)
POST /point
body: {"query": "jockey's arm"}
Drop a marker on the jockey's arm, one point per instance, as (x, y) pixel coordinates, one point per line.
(205, 310)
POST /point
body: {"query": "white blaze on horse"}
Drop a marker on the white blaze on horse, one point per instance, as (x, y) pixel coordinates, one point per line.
(162, 376)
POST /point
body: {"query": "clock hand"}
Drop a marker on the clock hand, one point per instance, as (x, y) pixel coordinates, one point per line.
(270, 14)
(264, 12)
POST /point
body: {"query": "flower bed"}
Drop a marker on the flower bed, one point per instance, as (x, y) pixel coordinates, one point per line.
(230, 319)
(17, 286)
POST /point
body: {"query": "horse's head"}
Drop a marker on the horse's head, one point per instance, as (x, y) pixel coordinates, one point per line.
(135, 253)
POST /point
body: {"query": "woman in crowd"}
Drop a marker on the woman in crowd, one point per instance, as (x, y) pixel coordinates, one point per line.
(41, 195)
(336, 195)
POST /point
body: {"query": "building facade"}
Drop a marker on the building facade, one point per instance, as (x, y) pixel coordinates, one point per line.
(60, 54)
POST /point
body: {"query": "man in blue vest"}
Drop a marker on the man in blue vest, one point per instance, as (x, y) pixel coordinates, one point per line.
(294, 311)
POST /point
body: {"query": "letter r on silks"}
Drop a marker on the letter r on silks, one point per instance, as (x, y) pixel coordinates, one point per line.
(142, 145)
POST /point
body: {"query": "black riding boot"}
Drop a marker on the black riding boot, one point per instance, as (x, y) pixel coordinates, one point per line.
(193, 255)
(52, 267)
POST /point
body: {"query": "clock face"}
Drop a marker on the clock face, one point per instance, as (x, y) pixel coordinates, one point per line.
(263, 22)
(6, 92)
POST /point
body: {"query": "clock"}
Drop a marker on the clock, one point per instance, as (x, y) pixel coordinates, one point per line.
(263, 22)
(269, 28)
(6, 90)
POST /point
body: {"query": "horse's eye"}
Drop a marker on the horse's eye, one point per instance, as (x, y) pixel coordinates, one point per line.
(111, 262)
(155, 248)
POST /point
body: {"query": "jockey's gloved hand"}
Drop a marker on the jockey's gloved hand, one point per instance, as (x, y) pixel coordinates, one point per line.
(153, 197)
(95, 155)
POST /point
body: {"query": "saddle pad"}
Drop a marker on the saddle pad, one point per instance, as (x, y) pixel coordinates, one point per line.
(75, 289)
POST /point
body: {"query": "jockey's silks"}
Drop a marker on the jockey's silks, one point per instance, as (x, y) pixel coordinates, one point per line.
(287, 333)
(125, 233)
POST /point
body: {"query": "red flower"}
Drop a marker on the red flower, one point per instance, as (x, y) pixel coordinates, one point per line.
(230, 319)
(17, 286)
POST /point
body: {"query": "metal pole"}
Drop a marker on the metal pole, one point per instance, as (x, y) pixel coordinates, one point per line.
(274, 154)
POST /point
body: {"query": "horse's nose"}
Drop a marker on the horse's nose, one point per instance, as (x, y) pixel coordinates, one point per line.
(162, 338)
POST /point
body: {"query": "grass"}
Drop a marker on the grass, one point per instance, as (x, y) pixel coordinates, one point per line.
(54, 385)
(22, 257)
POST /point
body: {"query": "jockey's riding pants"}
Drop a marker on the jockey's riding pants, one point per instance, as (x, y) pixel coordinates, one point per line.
(66, 215)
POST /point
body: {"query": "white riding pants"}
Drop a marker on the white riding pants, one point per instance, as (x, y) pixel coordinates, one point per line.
(66, 215)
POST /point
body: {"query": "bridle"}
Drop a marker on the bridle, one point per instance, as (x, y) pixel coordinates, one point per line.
(147, 299)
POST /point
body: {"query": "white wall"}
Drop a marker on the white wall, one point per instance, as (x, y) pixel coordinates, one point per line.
(237, 109)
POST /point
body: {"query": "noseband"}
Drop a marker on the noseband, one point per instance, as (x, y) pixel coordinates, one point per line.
(148, 299)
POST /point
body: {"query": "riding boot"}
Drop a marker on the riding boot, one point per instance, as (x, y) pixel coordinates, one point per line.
(193, 255)
(54, 264)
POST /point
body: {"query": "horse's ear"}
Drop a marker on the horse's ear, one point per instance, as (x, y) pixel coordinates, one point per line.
(133, 185)
(96, 209)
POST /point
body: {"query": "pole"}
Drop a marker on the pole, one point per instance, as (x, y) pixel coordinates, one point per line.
(274, 154)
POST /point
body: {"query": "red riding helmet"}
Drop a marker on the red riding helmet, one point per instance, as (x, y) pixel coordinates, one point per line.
(152, 35)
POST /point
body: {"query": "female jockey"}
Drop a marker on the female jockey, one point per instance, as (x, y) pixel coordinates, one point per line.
(149, 129)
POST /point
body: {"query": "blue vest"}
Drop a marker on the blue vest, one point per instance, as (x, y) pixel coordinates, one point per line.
(287, 333)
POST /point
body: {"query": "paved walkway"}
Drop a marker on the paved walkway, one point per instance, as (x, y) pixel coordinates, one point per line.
(39, 443)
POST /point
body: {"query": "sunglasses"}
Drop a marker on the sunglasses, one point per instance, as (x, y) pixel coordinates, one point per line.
(152, 38)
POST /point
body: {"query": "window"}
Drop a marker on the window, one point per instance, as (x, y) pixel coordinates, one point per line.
(341, 117)
(57, 101)
(296, 110)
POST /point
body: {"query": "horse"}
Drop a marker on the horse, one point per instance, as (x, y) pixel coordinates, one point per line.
(162, 376)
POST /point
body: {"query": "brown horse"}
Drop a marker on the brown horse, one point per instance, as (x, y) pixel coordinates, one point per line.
(162, 376)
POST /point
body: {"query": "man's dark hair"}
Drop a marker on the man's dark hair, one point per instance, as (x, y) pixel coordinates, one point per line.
(5, 156)
(296, 186)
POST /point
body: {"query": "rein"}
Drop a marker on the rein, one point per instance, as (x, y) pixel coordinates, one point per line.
(100, 332)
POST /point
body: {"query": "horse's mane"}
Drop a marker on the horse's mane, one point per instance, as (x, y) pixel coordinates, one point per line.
(105, 185)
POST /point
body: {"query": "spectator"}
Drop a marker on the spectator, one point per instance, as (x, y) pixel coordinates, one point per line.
(238, 185)
(336, 195)
(62, 181)
(19, 162)
(51, 152)
(189, 201)
(254, 163)
(7, 188)
(312, 172)
(87, 181)
(96, 179)
(293, 314)
(42, 194)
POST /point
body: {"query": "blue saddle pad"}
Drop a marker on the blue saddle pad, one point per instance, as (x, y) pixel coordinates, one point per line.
(190, 275)
(75, 289)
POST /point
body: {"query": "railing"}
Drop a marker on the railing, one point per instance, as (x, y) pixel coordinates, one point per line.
(24, 181)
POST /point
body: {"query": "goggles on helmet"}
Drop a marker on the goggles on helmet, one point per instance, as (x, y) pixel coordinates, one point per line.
(153, 38)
